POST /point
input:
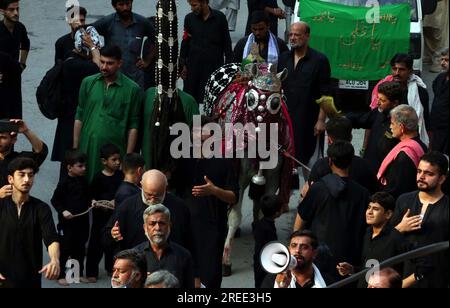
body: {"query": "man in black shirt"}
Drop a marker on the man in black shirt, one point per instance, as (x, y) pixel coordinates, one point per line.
(398, 170)
(334, 209)
(15, 42)
(270, 47)
(380, 141)
(76, 18)
(340, 128)
(268, 6)
(382, 241)
(308, 80)
(206, 46)
(211, 187)
(24, 223)
(303, 246)
(13, 34)
(439, 117)
(81, 61)
(7, 141)
(162, 254)
(423, 217)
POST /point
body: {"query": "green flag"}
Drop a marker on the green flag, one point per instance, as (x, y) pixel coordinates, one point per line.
(358, 41)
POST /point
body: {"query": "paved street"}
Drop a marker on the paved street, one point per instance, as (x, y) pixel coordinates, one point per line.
(45, 23)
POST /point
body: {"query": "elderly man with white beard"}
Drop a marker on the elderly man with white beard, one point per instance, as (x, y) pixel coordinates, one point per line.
(162, 254)
(124, 230)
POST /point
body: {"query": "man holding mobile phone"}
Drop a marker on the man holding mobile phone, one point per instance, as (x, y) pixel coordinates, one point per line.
(9, 130)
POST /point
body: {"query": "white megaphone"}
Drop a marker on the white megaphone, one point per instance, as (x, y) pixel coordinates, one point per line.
(275, 258)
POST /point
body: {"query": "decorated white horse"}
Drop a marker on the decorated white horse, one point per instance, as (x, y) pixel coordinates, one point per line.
(252, 95)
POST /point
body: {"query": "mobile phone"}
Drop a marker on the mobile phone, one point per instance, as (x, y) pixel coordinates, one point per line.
(8, 126)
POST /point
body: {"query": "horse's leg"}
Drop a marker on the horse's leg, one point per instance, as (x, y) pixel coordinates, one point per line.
(235, 215)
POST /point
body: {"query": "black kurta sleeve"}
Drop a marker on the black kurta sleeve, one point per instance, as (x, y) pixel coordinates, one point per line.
(102, 25)
(185, 43)
(189, 279)
(24, 40)
(95, 187)
(307, 208)
(425, 99)
(319, 170)
(188, 239)
(362, 119)
(282, 46)
(397, 185)
(59, 51)
(107, 240)
(150, 31)
(238, 52)
(38, 157)
(58, 198)
(325, 76)
(42, 155)
(47, 225)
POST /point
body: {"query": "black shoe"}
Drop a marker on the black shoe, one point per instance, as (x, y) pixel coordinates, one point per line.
(226, 270)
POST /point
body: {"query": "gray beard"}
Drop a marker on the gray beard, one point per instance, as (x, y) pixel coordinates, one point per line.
(158, 242)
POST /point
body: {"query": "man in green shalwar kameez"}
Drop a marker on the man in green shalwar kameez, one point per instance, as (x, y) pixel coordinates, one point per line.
(108, 110)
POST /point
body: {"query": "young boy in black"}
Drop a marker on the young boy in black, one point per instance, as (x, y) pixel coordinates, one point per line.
(103, 187)
(71, 197)
(264, 232)
(133, 168)
(381, 241)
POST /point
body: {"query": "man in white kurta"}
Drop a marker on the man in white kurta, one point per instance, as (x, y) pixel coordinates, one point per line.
(231, 10)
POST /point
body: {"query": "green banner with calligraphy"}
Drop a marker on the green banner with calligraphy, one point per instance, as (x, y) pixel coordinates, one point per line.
(358, 41)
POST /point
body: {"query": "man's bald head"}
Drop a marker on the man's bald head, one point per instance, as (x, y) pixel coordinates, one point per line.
(301, 26)
(154, 176)
(299, 35)
(154, 186)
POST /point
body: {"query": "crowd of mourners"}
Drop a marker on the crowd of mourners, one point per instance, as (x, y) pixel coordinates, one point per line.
(161, 222)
